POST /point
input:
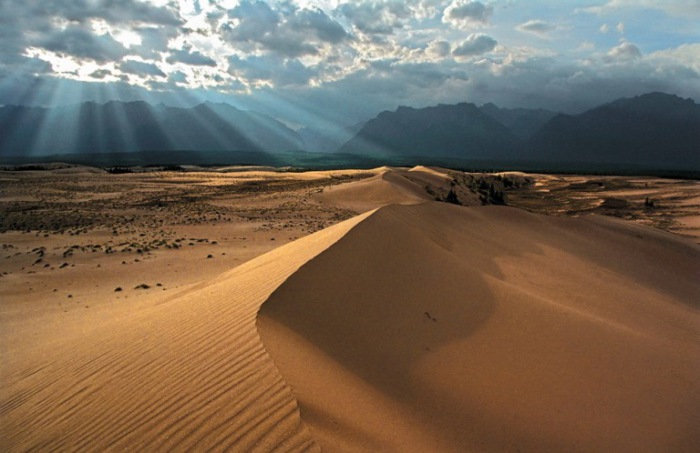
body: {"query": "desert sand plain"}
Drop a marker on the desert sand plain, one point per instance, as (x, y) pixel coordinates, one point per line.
(252, 309)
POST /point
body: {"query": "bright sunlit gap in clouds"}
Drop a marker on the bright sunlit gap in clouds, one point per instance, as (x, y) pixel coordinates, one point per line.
(339, 61)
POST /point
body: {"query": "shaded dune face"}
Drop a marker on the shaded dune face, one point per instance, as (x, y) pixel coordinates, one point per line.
(433, 327)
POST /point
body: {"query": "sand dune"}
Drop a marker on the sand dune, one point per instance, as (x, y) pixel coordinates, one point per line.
(420, 326)
(440, 328)
(188, 374)
(393, 186)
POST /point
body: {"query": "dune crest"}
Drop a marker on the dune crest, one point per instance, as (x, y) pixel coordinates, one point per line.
(392, 186)
(431, 327)
(188, 374)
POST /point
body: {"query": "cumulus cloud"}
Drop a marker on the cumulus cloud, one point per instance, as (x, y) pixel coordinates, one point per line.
(683, 8)
(154, 41)
(377, 17)
(82, 34)
(141, 68)
(83, 44)
(100, 74)
(112, 11)
(624, 52)
(318, 23)
(536, 27)
(475, 44)
(439, 48)
(190, 57)
(464, 13)
(297, 32)
(270, 70)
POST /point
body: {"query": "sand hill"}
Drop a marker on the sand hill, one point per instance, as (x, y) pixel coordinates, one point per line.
(394, 186)
(418, 326)
(440, 328)
(190, 373)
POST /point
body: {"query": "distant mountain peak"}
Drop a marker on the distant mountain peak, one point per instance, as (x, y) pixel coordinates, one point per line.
(657, 130)
(454, 131)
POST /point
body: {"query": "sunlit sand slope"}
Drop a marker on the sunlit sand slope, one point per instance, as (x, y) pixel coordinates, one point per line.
(386, 187)
(433, 327)
(394, 186)
(189, 374)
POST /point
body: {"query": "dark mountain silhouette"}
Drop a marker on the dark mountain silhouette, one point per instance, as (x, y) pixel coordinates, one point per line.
(522, 122)
(91, 128)
(459, 131)
(654, 130)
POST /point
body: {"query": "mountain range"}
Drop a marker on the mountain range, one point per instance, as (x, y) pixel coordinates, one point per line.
(450, 131)
(91, 128)
(652, 131)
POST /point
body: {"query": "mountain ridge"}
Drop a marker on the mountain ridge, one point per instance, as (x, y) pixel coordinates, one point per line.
(116, 126)
(651, 129)
(654, 131)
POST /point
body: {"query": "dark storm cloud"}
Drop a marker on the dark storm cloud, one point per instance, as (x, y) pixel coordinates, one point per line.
(293, 33)
(475, 44)
(141, 69)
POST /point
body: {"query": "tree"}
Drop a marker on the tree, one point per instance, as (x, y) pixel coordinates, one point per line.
(452, 197)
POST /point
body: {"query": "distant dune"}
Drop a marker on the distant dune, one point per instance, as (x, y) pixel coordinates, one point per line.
(394, 185)
(440, 328)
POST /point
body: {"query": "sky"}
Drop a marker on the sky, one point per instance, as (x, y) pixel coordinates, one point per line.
(325, 62)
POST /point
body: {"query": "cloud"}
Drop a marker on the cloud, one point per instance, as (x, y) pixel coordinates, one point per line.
(346, 59)
(475, 44)
(141, 68)
(291, 33)
(270, 70)
(439, 49)
(625, 51)
(681, 8)
(83, 44)
(72, 33)
(193, 58)
(318, 23)
(465, 13)
(536, 27)
(154, 41)
(377, 17)
(101, 74)
(112, 11)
